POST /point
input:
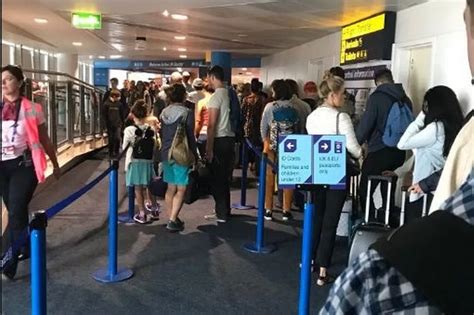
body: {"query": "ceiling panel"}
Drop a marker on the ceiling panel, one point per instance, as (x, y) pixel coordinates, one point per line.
(252, 27)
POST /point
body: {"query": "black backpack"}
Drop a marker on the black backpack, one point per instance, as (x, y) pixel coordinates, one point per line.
(144, 144)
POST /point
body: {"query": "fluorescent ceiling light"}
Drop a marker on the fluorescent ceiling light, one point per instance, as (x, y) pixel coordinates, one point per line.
(235, 40)
(91, 57)
(180, 37)
(117, 46)
(179, 69)
(40, 21)
(101, 57)
(77, 44)
(244, 69)
(183, 56)
(179, 17)
(115, 56)
(182, 49)
(242, 35)
(248, 73)
(166, 13)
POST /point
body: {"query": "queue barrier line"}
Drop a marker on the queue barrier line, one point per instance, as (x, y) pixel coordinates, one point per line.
(273, 165)
(36, 232)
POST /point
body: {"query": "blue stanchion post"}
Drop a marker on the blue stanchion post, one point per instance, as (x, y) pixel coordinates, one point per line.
(259, 246)
(112, 274)
(128, 218)
(243, 184)
(38, 263)
(306, 254)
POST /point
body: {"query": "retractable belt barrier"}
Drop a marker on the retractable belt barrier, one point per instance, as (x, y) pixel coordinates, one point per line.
(37, 234)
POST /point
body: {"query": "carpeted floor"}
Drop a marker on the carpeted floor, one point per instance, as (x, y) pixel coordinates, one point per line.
(203, 270)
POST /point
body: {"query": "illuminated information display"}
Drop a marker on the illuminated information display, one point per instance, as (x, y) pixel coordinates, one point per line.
(369, 39)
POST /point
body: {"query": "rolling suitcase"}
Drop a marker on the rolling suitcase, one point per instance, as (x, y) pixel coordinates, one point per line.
(368, 232)
(404, 201)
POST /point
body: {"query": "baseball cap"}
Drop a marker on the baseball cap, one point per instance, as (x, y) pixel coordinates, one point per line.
(198, 82)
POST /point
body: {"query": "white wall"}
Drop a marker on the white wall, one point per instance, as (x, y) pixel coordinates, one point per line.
(437, 21)
(295, 62)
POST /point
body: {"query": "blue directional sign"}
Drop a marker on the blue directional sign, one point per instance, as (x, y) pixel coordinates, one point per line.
(329, 160)
(311, 160)
(294, 160)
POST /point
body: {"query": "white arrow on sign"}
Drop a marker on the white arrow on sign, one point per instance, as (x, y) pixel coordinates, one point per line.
(290, 145)
(324, 146)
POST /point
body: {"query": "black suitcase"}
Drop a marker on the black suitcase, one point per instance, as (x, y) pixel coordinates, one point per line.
(368, 232)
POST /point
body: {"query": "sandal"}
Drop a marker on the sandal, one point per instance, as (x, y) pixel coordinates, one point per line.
(141, 219)
(322, 281)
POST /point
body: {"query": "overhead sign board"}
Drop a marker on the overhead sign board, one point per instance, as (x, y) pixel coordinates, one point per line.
(369, 39)
(87, 21)
(311, 160)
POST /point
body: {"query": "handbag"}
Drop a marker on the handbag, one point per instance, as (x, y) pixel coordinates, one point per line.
(180, 151)
(192, 190)
(352, 164)
(158, 186)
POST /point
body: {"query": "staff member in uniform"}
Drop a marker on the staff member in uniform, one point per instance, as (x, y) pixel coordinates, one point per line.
(23, 164)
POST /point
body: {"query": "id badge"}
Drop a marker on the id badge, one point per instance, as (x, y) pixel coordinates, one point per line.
(10, 150)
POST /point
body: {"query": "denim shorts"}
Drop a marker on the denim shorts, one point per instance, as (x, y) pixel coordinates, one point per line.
(175, 174)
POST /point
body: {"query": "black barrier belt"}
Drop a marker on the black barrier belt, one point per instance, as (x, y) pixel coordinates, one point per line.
(257, 152)
(54, 210)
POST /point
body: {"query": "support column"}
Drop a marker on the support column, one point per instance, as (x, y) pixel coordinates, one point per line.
(223, 59)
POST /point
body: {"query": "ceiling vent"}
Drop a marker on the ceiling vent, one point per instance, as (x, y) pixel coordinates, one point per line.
(140, 43)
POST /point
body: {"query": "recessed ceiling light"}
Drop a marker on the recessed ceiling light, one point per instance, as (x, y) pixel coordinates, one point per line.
(182, 49)
(90, 57)
(235, 40)
(179, 69)
(165, 49)
(40, 21)
(180, 37)
(166, 13)
(248, 73)
(242, 35)
(179, 17)
(183, 56)
(101, 57)
(77, 43)
(244, 69)
(115, 56)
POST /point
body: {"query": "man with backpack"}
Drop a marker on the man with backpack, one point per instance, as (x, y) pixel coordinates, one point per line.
(220, 144)
(387, 115)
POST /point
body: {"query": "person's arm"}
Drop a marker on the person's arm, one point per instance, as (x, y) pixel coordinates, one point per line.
(211, 132)
(127, 137)
(346, 128)
(430, 183)
(264, 124)
(198, 118)
(105, 114)
(190, 134)
(49, 148)
(368, 121)
(415, 137)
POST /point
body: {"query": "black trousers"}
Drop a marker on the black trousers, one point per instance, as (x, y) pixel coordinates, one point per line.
(221, 172)
(114, 137)
(328, 207)
(17, 185)
(387, 159)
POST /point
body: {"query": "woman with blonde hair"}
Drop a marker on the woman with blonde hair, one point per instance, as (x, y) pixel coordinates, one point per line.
(327, 120)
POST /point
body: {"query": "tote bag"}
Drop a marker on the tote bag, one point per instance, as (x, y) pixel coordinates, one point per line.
(180, 151)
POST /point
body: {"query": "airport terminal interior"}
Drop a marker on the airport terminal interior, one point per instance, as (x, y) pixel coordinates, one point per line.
(237, 157)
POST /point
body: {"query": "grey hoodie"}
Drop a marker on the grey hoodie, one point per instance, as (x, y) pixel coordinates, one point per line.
(372, 123)
(170, 117)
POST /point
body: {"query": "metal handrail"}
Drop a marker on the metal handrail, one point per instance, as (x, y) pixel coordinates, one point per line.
(56, 73)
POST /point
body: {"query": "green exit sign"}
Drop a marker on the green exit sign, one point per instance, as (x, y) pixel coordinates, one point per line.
(87, 21)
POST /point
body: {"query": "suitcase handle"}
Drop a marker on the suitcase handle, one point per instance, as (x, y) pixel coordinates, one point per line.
(381, 178)
(404, 200)
(389, 180)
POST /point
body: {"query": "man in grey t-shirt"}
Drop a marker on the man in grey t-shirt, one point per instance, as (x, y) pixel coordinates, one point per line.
(220, 145)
